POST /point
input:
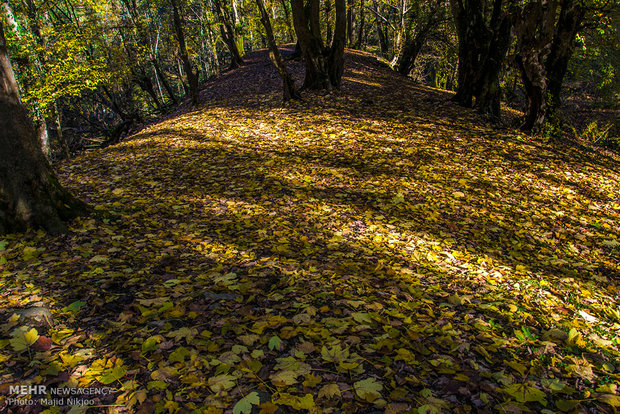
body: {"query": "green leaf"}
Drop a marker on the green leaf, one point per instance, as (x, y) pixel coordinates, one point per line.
(275, 343)
(151, 344)
(179, 355)
(368, 389)
(244, 405)
(524, 393)
(113, 374)
(74, 307)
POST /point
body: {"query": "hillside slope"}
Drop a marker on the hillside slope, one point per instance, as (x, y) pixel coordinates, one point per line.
(378, 248)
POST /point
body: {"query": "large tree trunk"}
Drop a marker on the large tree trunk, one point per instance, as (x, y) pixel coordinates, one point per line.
(545, 45)
(30, 194)
(482, 51)
(569, 23)
(488, 94)
(534, 27)
(192, 78)
(312, 49)
(288, 84)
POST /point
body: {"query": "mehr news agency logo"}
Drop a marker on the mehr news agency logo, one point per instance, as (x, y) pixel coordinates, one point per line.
(30, 395)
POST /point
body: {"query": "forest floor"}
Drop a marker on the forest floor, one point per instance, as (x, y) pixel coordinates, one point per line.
(377, 249)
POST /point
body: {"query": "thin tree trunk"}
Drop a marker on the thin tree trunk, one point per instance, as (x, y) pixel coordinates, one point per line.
(59, 135)
(164, 81)
(288, 84)
(228, 35)
(287, 14)
(360, 33)
(336, 53)
(328, 13)
(192, 78)
(349, 23)
(383, 43)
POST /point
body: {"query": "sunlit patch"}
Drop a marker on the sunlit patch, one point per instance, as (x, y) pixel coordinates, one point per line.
(387, 241)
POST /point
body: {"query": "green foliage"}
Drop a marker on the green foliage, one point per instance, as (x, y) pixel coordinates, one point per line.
(600, 135)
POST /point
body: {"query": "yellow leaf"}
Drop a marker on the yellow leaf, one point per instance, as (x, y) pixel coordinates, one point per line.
(284, 378)
(613, 400)
(221, 382)
(329, 391)
(298, 403)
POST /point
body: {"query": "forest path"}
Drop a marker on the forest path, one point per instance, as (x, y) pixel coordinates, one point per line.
(377, 248)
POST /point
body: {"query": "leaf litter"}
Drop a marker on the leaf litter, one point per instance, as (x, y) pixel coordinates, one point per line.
(377, 248)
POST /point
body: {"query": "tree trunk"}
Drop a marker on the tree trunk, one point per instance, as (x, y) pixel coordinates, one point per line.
(59, 135)
(192, 78)
(288, 84)
(287, 15)
(328, 13)
(488, 94)
(336, 52)
(349, 23)
(360, 34)
(545, 45)
(383, 43)
(569, 23)
(312, 49)
(228, 35)
(30, 194)
(162, 77)
(534, 27)
(482, 51)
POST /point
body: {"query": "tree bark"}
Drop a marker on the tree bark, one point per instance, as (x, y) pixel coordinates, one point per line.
(545, 45)
(228, 35)
(288, 84)
(311, 45)
(482, 51)
(381, 31)
(162, 77)
(30, 194)
(192, 77)
(569, 22)
(336, 52)
(360, 34)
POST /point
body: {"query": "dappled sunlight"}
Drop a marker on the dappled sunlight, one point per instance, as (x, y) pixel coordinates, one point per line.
(304, 249)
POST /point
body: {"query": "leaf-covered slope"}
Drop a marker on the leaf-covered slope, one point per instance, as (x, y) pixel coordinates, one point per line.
(374, 248)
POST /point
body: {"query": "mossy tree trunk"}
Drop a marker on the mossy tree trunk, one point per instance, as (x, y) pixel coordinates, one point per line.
(30, 195)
